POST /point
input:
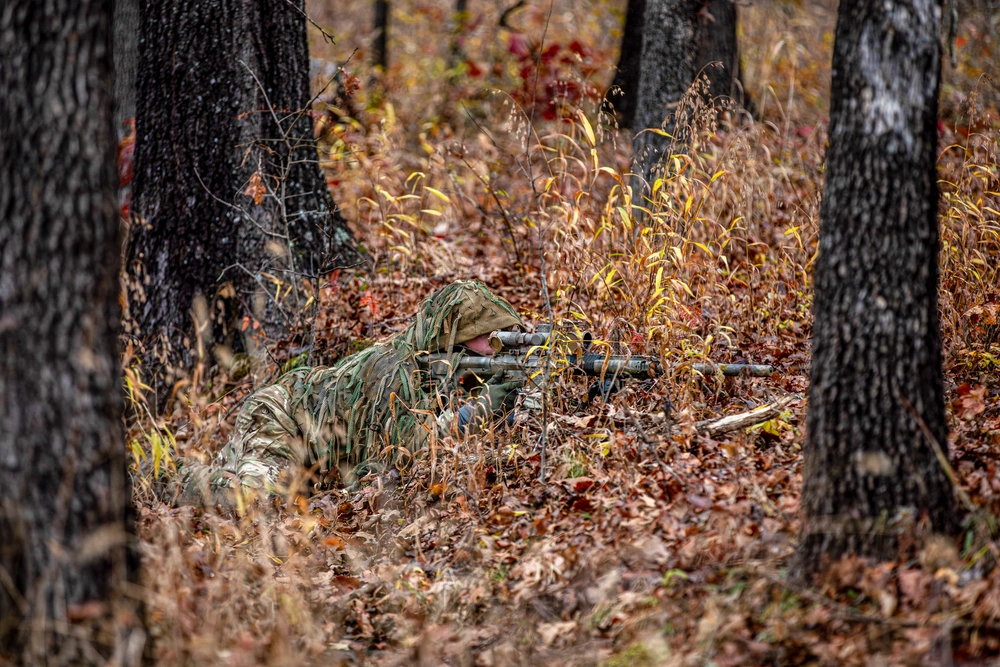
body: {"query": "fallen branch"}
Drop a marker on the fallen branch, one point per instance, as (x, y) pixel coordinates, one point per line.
(714, 427)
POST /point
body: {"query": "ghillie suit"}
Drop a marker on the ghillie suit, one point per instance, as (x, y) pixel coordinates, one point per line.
(373, 407)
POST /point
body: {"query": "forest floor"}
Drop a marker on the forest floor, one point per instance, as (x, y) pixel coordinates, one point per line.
(501, 168)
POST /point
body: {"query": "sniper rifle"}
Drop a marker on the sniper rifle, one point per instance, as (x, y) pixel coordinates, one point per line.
(523, 356)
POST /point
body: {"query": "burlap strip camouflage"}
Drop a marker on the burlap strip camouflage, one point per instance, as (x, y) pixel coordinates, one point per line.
(374, 407)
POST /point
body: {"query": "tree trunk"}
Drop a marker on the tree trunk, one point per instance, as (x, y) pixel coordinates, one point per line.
(456, 52)
(681, 40)
(126, 48)
(719, 54)
(229, 193)
(876, 340)
(625, 88)
(65, 511)
(380, 48)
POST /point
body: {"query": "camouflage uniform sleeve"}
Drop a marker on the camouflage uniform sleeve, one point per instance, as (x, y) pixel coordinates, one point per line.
(200, 485)
(266, 441)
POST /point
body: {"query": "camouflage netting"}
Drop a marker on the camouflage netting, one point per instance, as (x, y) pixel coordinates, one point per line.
(376, 405)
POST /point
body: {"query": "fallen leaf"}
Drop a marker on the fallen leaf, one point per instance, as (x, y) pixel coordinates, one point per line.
(256, 190)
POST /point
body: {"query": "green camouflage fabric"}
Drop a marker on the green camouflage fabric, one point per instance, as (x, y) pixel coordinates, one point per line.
(372, 408)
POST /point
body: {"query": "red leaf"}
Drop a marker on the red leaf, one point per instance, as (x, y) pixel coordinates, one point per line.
(583, 505)
(519, 46)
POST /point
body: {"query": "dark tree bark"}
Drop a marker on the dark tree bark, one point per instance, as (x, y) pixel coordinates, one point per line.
(126, 48)
(456, 52)
(227, 184)
(380, 45)
(625, 88)
(719, 54)
(681, 40)
(65, 511)
(876, 341)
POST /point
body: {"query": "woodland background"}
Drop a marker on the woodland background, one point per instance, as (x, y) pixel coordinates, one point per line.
(496, 160)
(474, 562)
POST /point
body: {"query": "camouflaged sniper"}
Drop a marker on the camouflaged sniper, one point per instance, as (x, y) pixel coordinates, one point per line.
(373, 405)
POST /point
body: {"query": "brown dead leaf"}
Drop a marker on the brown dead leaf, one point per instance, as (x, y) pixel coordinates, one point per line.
(972, 404)
(84, 611)
(947, 574)
(887, 602)
(709, 623)
(652, 549)
(552, 632)
(987, 314)
(579, 484)
(700, 502)
(256, 190)
(913, 585)
(586, 421)
(365, 628)
(345, 584)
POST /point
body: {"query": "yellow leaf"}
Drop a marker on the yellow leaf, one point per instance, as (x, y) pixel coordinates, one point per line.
(587, 129)
(597, 275)
(684, 287)
(703, 247)
(437, 193)
(611, 172)
(716, 175)
(656, 305)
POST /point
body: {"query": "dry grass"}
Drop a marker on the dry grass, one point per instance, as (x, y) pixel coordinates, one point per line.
(473, 561)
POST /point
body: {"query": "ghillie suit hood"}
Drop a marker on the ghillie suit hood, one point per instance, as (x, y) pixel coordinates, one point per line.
(377, 404)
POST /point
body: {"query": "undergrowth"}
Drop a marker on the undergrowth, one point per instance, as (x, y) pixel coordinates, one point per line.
(468, 557)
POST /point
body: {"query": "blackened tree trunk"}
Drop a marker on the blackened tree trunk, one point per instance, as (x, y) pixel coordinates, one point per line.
(876, 341)
(380, 45)
(682, 39)
(65, 511)
(456, 52)
(230, 196)
(625, 88)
